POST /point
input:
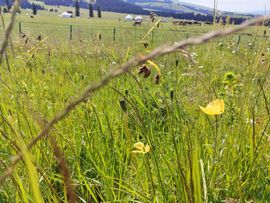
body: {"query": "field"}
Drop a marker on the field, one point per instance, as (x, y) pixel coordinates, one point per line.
(134, 140)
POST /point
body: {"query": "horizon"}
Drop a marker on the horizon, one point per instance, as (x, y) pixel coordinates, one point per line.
(243, 6)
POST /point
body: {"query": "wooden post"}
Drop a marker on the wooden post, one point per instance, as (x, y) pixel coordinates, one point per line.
(20, 27)
(70, 32)
(135, 32)
(238, 41)
(114, 33)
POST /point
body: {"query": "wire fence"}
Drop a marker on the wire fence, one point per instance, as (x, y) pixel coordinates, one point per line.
(119, 34)
(105, 33)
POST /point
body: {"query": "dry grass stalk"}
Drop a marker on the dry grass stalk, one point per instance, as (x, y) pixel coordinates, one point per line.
(63, 166)
(60, 158)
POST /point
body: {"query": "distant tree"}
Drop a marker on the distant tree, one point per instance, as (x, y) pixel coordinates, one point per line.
(91, 12)
(77, 8)
(119, 6)
(99, 11)
(8, 5)
(34, 8)
(5, 10)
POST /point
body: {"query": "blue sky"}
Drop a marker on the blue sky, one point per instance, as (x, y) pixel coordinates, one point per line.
(234, 5)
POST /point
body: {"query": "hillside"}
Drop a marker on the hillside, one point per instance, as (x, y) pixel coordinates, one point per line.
(177, 7)
(171, 6)
(130, 6)
(24, 3)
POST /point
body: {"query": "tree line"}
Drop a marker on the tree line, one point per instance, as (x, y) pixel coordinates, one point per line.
(204, 18)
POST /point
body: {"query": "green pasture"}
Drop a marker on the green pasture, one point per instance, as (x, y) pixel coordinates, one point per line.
(193, 157)
(50, 25)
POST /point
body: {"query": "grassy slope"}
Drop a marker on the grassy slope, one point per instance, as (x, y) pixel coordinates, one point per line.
(218, 159)
(175, 5)
(171, 6)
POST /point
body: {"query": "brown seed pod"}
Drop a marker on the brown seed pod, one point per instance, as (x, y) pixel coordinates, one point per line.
(147, 73)
(157, 78)
(123, 105)
(23, 35)
(145, 45)
(176, 62)
(142, 69)
(39, 38)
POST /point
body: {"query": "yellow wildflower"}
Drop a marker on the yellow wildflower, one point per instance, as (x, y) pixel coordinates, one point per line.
(215, 107)
(141, 148)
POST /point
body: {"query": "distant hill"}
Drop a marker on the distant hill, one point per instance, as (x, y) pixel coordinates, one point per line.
(260, 12)
(24, 4)
(182, 10)
(171, 6)
(177, 7)
(135, 6)
(167, 8)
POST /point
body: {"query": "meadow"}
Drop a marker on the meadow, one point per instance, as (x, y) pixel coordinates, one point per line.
(134, 140)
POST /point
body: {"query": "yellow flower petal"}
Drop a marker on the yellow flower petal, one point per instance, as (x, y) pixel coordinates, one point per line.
(147, 148)
(215, 107)
(138, 152)
(139, 146)
(155, 66)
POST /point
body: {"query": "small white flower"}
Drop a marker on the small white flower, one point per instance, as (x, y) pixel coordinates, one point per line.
(194, 54)
(250, 121)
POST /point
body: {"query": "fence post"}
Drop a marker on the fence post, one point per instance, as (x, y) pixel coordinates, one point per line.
(70, 32)
(20, 27)
(135, 32)
(114, 33)
(153, 34)
(238, 41)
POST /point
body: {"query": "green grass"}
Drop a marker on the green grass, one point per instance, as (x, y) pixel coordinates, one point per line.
(193, 157)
